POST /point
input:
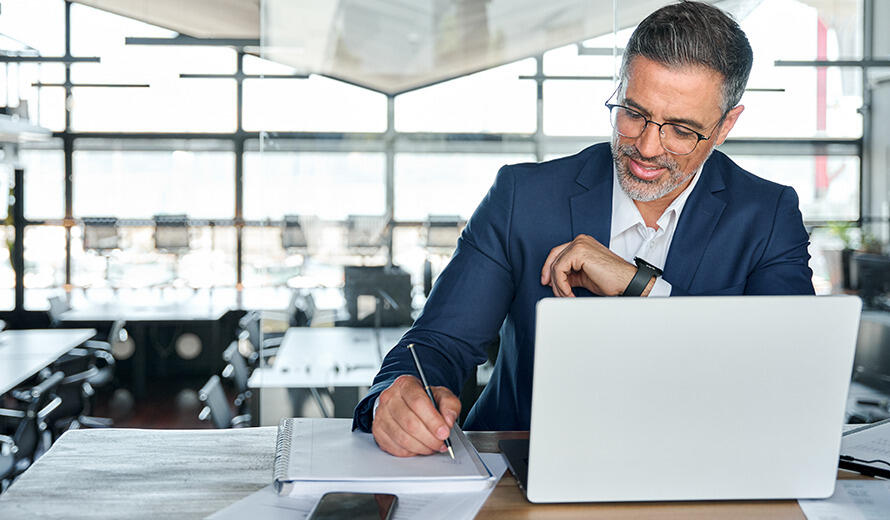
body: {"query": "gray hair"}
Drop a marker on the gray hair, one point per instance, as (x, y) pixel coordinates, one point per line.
(697, 34)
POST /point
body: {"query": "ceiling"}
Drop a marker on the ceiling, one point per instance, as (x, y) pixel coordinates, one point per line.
(393, 46)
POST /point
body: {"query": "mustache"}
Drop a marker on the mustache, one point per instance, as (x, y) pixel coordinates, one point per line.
(630, 151)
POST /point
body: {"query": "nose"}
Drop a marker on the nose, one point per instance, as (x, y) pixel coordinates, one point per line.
(649, 142)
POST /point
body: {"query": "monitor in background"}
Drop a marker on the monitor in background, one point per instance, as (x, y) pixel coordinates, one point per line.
(872, 278)
(377, 293)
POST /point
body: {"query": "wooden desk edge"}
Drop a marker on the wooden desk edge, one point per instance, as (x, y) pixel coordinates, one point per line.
(507, 501)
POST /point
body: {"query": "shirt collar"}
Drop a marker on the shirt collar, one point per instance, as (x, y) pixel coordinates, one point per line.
(625, 214)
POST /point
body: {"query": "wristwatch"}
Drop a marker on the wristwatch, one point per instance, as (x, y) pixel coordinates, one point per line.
(645, 272)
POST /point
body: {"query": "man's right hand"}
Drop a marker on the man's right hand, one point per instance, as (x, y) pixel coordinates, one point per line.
(407, 423)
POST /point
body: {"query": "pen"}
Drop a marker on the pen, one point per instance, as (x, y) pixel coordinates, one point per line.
(426, 386)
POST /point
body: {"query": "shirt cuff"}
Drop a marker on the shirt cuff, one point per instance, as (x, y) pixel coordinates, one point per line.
(374, 410)
(661, 289)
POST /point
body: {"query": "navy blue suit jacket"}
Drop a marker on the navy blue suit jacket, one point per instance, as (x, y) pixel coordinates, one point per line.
(737, 234)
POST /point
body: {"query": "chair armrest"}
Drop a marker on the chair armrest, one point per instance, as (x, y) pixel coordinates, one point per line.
(7, 445)
(48, 409)
(12, 414)
(93, 344)
(241, 421)
(272, 342)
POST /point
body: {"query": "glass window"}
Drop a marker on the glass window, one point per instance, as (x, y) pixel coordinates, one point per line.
(828, 186)
(494, 100)
(810, 102)
(140, 184)
(170, 103)
(137, 264)
(44, 263)
(326, 185)
(577, 107)
(7, 275)
(445, 184)
(38, 23)
(317, 104)
(44, 183)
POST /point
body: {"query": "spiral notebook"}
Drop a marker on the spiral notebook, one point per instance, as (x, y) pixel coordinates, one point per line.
(320, 455)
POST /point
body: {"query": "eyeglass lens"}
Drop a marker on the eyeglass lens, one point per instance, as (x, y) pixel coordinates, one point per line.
(674, 138)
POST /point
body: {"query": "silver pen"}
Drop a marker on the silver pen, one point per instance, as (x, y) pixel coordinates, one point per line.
(429, 392)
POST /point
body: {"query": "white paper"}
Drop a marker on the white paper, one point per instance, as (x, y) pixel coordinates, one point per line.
(266, 504)
(868, 444)
(852, 500)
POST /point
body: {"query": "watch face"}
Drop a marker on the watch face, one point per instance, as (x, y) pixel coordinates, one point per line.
(642, 263)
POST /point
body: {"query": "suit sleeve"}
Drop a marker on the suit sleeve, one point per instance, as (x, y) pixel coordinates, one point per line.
(466, 307)
(784, 266)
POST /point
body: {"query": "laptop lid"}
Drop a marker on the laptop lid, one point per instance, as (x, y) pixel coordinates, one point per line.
(703, 398)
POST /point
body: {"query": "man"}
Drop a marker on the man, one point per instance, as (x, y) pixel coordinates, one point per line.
(574, 226)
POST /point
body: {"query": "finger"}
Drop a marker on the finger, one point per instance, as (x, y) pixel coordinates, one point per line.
(449, 404)
(402, 431)
(431, 420)
(559, 275)
(554, 254)
(386, 443)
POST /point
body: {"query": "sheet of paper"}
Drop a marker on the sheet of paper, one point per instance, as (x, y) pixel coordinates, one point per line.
(266, 504)
(868, 443)
(852, 500)
(328, 449)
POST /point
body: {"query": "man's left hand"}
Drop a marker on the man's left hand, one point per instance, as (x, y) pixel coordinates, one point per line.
(584, 262)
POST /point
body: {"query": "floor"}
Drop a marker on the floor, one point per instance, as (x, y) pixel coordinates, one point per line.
(170, 405)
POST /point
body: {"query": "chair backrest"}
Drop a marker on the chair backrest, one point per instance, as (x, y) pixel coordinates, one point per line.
(78, 366)
(58, 305)
(239, 371)
(41, 402)
(216, 405)
(252, 323)
(300, 309)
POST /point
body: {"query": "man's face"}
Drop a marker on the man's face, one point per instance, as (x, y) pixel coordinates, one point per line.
(690, 96)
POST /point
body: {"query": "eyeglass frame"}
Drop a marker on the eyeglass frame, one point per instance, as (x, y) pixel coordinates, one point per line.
(660, 126)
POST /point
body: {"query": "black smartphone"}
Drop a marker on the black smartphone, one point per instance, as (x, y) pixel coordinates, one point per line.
(354, 506)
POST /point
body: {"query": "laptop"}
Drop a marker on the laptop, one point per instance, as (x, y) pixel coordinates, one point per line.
(699, 398)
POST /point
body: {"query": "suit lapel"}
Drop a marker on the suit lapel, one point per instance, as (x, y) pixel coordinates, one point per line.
(592, 208)
(697, 223)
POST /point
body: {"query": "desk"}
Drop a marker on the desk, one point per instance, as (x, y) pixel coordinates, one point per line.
(23, 353)
(327, 357)
(158, 325)
(320, 357)
(117, 473)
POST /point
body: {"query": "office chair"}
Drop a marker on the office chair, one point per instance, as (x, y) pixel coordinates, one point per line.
(216, 407)
(29, 438)
(58, 305)
(253, 343)
(76, 391)
(238, 372)
(102, 349)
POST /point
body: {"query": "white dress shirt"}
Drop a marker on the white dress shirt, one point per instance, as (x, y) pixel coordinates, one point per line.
(631, 237)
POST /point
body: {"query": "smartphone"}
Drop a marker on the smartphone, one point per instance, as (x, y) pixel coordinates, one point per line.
(354, 506)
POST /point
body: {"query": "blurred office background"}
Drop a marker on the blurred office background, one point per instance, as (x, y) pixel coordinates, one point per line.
(224, 172)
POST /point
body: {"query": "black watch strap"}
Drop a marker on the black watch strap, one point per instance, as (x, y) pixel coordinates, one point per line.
(645, 272)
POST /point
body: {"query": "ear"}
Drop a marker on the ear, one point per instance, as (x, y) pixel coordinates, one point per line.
(728, 122)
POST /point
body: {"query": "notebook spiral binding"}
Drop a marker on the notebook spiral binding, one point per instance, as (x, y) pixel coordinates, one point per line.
(282, 452)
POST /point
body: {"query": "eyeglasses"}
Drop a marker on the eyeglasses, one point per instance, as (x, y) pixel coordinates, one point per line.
(675, 138)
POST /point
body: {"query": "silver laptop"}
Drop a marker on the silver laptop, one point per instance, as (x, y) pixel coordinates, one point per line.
(706, 398)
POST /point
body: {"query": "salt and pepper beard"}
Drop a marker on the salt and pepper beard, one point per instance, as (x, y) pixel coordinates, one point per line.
(645, 190)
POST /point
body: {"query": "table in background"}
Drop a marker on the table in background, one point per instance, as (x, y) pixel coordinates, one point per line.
(325, 357)
(159, 324)
(23, 353)
(114, 473)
